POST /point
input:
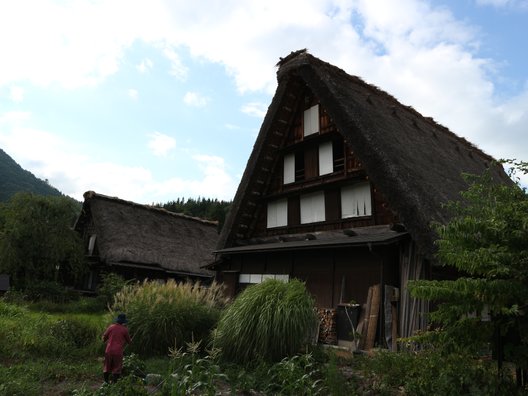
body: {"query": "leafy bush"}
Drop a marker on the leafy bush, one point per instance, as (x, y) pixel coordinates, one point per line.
(165, 315)
(192, 373)
(14, 297)
(296, 375)
(81, 305)
(50, 291)
(110, 285)
(133, 365)
(10, 310)
(267, 321)
(430, 372)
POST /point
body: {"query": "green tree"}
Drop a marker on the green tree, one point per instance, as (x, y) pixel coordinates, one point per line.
(37, 242)
(487, 242)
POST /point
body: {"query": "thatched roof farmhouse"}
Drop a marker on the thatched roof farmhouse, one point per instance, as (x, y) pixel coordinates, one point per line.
(140, 241)
(340, 190)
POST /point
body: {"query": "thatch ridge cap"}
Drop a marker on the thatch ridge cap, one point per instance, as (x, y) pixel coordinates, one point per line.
(93, 195)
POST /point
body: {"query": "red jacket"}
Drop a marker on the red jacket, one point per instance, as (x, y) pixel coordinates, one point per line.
(116, 337)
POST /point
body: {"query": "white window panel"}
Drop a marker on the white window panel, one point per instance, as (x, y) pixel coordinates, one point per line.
(91, 244)
(243, 278)
(255, 278)
(258, 278)
(283, 278)
(326, 159)
(289, 168)
(278, 213)
(311, 120)
(312, 207)
(356, 200)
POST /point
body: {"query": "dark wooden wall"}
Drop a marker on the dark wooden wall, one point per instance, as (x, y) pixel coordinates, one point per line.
(326, 271)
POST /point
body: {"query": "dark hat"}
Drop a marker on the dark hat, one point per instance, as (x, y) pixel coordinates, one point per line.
(121, 318)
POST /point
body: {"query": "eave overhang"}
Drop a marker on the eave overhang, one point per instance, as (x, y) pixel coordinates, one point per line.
(367, 240)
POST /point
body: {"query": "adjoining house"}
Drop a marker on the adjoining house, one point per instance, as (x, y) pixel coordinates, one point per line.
(143, 242)
(339, 191)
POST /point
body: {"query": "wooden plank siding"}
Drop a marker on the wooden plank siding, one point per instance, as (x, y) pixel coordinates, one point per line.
(332, 276)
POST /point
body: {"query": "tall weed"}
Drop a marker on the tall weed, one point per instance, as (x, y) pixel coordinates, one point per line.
(296, 375)
(25, 334)
(192, 373)
(169, 314)
(267, 321)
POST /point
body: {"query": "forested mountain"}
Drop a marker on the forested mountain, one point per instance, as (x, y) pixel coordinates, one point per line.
(14, 179)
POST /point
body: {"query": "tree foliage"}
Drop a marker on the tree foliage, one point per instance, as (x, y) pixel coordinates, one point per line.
(37, 242)
(205, 208)
(487, 242)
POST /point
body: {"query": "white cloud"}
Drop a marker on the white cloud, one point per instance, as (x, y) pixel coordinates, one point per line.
(133, 93)
(66, 167)
(178, 69)
(214, 181)
(72, 44)
(16, 94)
(14, 117)
(145, 65)
(195, 99)
(412, 49)
(159, 144)
(255, 109)
(231, 126)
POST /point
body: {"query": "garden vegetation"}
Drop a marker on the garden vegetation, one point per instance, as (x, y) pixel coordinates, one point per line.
(188, 340)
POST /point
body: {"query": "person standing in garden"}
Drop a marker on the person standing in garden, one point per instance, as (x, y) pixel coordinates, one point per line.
(116, 337)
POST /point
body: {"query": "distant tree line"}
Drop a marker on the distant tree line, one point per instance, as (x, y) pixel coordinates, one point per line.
(205, 208)
(39, 247)
(37, 241)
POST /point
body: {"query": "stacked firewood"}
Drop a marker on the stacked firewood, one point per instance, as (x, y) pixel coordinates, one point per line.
(327, 326)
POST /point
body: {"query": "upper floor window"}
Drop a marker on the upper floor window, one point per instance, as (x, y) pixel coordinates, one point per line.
(356, 200)
(313, 161)
(326, 158)
(313, 207)
(91, 244)
(289, 168)
(278, 213)
(311, 120)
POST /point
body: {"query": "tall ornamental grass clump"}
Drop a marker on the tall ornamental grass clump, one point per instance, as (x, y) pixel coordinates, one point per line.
(268, 321)
(165, 315)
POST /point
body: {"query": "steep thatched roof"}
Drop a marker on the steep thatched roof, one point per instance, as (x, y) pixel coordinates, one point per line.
(130, 233)
(415, 162)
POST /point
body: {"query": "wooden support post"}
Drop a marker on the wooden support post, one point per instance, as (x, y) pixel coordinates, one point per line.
(373, 317)
(363, 320)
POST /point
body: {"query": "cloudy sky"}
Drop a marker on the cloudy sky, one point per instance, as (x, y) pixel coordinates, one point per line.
(154, 100)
